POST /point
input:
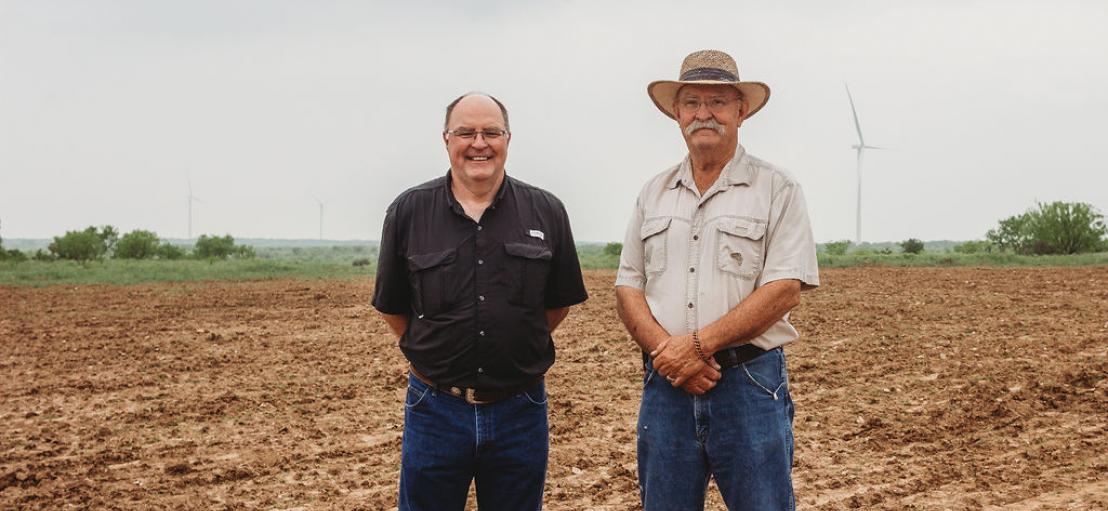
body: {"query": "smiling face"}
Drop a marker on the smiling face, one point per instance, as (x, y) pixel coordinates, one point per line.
(476, 160)
(709, 116)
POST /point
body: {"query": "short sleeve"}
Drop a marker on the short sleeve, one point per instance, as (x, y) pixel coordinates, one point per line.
(392, 291)
(565, 285)
(632, 267)
(790, 247)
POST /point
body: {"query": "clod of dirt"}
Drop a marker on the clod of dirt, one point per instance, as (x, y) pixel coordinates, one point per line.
(178, 469)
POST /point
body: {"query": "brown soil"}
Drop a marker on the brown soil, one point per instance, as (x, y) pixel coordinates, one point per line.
(915, 389)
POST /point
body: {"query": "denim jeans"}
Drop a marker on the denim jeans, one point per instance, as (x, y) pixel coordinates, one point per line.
(448, 443)
(740, 432)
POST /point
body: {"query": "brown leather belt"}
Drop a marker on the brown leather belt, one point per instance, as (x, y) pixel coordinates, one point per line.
(476, 396)
(730, 357)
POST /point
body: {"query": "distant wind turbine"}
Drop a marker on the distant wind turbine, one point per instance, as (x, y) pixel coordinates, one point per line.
(859, 148)
(192, 198)
(320, 217)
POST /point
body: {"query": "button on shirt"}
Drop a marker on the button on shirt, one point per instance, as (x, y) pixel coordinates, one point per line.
(477, 292)
(697, 256)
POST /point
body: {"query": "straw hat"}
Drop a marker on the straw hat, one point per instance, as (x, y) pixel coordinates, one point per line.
(707, 67)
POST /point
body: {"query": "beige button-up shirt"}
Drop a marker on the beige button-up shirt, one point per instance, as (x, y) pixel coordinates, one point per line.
(697, 256)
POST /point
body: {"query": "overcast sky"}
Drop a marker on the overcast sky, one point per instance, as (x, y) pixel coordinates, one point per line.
(108, 108)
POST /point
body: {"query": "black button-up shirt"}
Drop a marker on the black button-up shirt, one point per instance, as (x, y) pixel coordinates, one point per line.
(477, 292)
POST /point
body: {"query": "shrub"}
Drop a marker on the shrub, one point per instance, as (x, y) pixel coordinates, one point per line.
(221, 247)
(12, 255)
(613, 249)
(973, 247)
(170, 251)
(1054, 228)
(911, 246)
(42, 255)
(137, 244)
(84, 246)
(837, 247)
(361, 262)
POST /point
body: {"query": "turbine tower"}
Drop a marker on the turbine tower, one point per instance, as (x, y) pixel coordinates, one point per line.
(192, 198)
(860, 147)
(320, 217)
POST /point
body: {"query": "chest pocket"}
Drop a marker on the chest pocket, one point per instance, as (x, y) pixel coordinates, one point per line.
(427, 274)
(653, 236)
(528, 267)
(740, 248)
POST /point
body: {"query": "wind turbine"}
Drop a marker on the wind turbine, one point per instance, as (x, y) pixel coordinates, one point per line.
(192, 198)
(320, 217)
(860, 147)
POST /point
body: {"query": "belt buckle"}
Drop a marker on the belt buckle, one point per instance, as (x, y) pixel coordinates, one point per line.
(469, 392)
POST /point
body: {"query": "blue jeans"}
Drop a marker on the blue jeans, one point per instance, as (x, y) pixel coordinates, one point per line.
(448, 443)
(740, 432)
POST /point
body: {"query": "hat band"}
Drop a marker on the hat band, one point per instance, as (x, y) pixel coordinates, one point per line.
(708, 73)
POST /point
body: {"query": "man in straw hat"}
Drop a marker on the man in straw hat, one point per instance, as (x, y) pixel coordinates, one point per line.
(476, 270)
(716, 253)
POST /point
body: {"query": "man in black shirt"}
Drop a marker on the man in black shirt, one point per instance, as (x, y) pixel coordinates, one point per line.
(476, 270)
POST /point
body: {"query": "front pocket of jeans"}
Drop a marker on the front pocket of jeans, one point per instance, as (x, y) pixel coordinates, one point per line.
(536, 395)
(767, 373)
(415, 396)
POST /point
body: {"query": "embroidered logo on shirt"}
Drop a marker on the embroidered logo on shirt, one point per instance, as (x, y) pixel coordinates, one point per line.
(535, 233)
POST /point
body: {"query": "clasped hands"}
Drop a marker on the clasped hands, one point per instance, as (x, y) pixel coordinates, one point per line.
(676, 359)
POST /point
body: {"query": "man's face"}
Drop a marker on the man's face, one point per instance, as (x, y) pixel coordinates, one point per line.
(478, 158)
(709, 116)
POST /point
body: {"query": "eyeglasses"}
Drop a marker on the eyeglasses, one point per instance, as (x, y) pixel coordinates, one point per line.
(717, 104)
(470, 133)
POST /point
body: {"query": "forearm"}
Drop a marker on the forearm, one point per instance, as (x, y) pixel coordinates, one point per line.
(752, 316)
(635, 314)
(398, 323)
(554, 317)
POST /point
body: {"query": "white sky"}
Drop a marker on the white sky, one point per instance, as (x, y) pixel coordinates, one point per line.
(108, 107)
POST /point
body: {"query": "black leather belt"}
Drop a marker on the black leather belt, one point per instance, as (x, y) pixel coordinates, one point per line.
(730, 357)
(477, 396)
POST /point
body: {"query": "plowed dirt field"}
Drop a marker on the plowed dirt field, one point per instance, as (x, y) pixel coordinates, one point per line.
(915, 389)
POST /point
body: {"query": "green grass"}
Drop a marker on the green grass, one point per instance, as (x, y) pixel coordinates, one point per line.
(37, 273)
(949, 259)
(328, 262)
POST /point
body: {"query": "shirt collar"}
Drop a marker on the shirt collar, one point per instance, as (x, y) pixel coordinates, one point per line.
(453, 203)
(736, 172)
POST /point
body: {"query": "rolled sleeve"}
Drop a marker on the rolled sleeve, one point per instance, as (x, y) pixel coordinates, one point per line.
(632, 267)
(790, 247)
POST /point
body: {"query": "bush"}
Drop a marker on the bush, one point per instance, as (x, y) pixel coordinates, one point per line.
(973, 247)
(44, 256)
(613, 249)
(837, 247)
(221, 247)
(1055, 228)
(911, 246)
(12, 255)
(137, 244)
(361, 262)
(170, 251)
(84, 246)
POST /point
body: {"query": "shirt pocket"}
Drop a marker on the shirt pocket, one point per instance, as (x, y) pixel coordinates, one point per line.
(653, 236)
(740, 247)
(428, 279)
(528, 266)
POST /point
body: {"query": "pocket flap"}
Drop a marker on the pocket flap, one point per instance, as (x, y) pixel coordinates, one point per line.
(653, 226)
(528, 251)
(419, 262)
(743, 227)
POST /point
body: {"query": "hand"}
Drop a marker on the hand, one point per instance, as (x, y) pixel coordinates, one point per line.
(703, 381)
(677, 360)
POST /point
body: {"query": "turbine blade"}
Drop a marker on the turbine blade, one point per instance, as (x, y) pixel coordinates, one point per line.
(874, 147)
(857, 125)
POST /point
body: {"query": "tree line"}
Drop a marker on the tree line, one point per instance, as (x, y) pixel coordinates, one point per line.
(99, 243)
(1047, 229)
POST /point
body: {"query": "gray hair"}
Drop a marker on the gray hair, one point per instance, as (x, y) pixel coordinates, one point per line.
(450, 109)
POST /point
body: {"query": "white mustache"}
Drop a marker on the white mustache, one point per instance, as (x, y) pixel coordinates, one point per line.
(709, 124)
